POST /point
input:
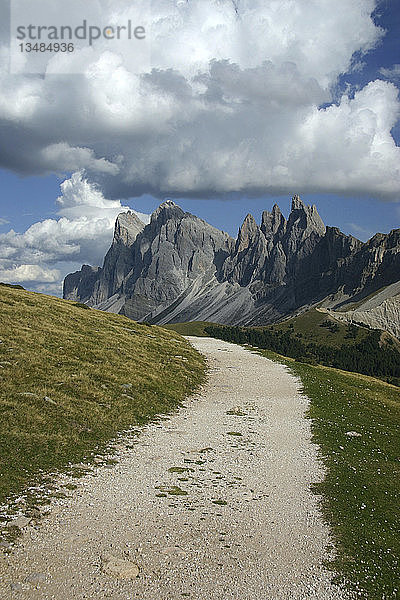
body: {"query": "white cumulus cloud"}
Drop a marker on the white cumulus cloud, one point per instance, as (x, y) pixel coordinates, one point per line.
(81, 234)
(29, 273)
(74, 159)
(231, 101)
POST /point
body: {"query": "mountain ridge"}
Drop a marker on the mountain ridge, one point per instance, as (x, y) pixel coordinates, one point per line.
(180, 268)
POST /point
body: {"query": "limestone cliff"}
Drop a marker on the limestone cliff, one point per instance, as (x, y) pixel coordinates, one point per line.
(180, 268)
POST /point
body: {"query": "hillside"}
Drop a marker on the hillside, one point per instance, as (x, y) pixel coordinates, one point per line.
(379, 310)
(196, 328)
(316, 337)
(72, 377)
(314, 326)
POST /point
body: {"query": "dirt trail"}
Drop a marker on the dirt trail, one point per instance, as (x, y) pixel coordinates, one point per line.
(213, 503)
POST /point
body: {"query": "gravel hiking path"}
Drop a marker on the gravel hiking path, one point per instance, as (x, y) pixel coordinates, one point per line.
(212, 503)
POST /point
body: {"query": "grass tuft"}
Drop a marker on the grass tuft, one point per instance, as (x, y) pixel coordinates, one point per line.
(171, 490)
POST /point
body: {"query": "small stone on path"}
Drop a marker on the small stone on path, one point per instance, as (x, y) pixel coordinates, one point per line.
(119, 567)
(36, 578)
(19, 522)
(4, 545)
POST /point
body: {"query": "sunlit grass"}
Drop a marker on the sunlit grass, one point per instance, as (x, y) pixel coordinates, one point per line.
(72, 378)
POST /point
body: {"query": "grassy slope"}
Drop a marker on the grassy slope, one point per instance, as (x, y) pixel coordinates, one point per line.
(100, 373)
(308, 325)
(191, 328)
(361, 490)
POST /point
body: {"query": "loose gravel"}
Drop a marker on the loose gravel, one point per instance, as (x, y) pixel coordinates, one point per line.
(211, 503)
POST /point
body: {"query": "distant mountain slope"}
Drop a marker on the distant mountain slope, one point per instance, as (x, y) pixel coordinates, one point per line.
(382, 311)
(179, 268)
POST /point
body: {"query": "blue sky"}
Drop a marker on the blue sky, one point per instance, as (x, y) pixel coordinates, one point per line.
(316, 117)
(27, 200)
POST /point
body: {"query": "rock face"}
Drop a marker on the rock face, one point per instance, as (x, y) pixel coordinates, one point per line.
(93, 285)
(80, 285)
(180, 268)
(173, 252)
(273, 252)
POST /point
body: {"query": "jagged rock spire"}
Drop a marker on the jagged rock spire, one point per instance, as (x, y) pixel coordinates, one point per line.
(247, 233)
(167, 210)
(272, 222)
(297, 203)
(305, 218)
(127, 226)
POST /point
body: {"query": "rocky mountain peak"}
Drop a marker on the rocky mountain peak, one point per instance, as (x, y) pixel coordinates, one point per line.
(297, 203)
(273, 222)
(127, 226)
(167, 210)
(249, 223)
(180, 268)
(247, 233)
(276, 209)
(305, 218)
